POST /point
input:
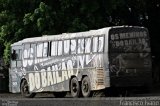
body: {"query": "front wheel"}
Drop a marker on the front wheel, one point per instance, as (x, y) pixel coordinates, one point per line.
(25, 90)
(86, 87)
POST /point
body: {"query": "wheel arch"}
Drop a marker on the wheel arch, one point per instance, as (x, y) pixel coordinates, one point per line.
(84, 76)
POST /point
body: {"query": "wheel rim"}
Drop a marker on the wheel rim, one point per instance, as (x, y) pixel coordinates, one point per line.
(74, 88)
(85, 87)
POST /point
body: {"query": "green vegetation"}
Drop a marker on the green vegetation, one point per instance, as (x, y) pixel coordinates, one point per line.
(21, 19)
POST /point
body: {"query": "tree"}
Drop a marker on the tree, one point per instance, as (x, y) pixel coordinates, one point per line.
(21, 19)
(11, 24)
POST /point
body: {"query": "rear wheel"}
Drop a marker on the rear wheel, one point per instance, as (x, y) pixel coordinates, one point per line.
(74, 87)
(60, 94)
(86, 87)
(25, 90)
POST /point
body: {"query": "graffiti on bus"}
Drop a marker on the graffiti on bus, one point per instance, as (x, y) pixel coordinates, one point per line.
(52, 70)
(128, 50)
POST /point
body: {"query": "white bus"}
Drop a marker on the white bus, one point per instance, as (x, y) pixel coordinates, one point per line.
(82, 62)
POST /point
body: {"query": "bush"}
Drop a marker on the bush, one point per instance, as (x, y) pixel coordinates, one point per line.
(7, 53)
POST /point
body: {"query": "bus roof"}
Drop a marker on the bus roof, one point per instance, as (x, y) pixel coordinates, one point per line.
(67, 35)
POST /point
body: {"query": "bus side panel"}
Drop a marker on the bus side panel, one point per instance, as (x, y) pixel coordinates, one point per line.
(15, 71)
(53, 73)
(48, 81)
(106, 62)
(96, 73)
(14, 80)
(46, 78)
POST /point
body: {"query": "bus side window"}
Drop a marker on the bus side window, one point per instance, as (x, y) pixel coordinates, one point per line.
(26, 51)
(73, 46)
(14, 55)
(88, 45)
(32, 51)
(100, 44)
(60, 46)
(13, 58)
(80, 46)
(45, 49)
(66, 47)
(39, 49)
(17, 54)
(95, 44)
(16, 58)
(19, 59)
(20, 54)
(54, 49)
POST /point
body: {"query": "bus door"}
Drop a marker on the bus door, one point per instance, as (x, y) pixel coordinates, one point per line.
(129, 56)
(15, 72)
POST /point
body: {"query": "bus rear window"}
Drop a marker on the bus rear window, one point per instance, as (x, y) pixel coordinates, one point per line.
(129, 40)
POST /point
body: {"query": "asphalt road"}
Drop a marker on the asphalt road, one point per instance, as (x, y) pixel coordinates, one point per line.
(109, 101)
(47, 99)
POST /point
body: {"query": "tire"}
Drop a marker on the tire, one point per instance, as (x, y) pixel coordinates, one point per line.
(86, 87)
(74, 87)
(60, 94)
(25, 90)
